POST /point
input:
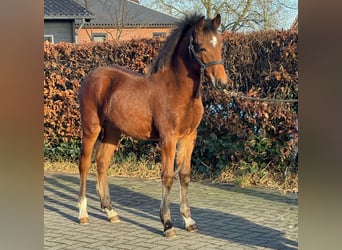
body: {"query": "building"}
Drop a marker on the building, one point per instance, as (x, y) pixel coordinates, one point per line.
(99, 20)
(60, 17)
(123, 20)
(294, 25)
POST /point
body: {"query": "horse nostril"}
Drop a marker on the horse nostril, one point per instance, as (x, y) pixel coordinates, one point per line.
(217, 82)
(220, 84)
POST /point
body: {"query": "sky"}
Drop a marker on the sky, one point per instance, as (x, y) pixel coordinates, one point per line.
(290, 14)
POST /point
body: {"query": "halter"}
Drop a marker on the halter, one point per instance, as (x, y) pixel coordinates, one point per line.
(198, 59)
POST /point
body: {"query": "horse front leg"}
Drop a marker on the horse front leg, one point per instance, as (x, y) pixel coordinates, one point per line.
(168, 150)
(185, 149)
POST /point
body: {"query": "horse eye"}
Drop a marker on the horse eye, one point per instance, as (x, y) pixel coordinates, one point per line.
(202, 50)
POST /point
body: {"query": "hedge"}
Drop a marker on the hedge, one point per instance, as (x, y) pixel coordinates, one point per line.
(235, 132)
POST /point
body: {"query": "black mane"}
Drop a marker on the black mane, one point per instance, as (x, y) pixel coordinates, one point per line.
(165, 55)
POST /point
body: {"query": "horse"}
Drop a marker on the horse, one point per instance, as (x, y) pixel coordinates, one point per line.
(164, 104)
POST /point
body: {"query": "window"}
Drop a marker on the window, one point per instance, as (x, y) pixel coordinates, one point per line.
(49, 38)
(99, 37)
(159, 34)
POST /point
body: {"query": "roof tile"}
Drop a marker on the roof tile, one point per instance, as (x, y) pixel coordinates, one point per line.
(126, 13)
(67, 9)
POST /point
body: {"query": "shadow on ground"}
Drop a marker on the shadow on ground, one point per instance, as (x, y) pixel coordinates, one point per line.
(212, 223)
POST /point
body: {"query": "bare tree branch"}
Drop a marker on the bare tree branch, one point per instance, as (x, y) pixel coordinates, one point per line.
(246, 15)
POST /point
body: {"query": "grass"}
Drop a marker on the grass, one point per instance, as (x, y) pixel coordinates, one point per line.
(127, 168)
(264, 179)
(133, 168)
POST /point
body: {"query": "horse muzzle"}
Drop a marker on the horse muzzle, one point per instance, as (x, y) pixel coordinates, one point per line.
(218, 79)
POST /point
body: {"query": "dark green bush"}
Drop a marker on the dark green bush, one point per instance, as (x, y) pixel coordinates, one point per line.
(62, 151)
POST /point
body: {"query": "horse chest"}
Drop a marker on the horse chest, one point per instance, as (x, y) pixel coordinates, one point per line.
(191, 118)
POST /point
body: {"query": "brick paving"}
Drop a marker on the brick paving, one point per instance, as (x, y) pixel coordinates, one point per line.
(228, 217)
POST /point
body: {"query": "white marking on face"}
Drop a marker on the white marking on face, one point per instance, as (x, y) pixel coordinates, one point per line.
(214, 41)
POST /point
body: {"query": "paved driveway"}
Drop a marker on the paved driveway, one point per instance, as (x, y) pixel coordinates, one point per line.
(228, 217)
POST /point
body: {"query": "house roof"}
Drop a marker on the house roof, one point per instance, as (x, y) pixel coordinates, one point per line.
(65, 9)
(114, 13)
(294, 25)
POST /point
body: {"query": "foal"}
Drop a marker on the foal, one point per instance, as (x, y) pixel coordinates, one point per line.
(165, 105)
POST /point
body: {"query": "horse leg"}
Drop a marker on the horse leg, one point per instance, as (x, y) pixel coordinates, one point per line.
(105, 151)
(184, 152)
(168, 150)
(90, 135)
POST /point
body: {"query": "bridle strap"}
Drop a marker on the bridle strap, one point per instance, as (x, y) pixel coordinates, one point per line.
(198, 59)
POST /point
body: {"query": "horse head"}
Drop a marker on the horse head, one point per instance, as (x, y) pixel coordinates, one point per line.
(205, 45)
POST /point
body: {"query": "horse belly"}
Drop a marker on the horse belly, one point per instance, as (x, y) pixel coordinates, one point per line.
(132, 119)
(136, 128)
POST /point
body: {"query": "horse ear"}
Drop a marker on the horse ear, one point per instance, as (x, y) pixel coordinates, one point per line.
(216, 21)
(200, 24)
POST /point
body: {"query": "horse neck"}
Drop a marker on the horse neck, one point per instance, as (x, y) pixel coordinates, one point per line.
(183, 72)
(187, 70)
(183, 75)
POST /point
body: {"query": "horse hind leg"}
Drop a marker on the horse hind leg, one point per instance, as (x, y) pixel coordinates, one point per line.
(185, 149)
(90, 135)
(105, 151)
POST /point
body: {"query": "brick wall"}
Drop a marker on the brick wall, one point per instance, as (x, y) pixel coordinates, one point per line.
(126, 34)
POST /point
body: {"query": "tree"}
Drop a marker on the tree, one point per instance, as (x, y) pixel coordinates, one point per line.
(112, 11)
(237, 15)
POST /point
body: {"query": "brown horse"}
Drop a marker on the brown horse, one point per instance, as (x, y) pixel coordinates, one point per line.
(164, 104)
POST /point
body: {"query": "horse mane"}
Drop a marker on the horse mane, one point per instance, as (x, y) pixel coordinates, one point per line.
(166, 52)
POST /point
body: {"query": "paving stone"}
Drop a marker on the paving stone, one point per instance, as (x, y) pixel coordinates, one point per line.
(228, 217)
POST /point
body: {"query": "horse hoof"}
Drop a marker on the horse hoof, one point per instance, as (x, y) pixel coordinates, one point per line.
(84, 221)
(192, 228)
(170, 233)
(114, 219)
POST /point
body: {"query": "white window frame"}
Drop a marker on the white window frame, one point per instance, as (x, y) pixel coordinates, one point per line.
(49, 38)
(96, 36)
(159, 34)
